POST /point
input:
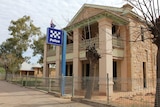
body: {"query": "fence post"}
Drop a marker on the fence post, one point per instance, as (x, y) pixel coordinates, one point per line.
(72, 86)
(36, 82)
(21, 80)
(49, 88)
(26, 80)
(107, 88)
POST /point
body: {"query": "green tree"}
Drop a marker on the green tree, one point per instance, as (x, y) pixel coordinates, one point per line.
(150, 11)
(2, 70)
(38, 47)
(7, 58)
(22, 32)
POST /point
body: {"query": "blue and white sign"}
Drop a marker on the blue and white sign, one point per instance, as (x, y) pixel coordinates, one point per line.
(54, 36)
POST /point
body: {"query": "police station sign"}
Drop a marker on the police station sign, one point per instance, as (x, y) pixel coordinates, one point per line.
(54, 36)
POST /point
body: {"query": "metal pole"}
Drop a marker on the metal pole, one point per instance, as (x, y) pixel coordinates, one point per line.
(72, 86)
(36, 82)
(49, 88)
(26, 83)
(107, 88)
(63, 62)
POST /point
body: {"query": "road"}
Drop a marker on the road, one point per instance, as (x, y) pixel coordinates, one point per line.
(16, 96)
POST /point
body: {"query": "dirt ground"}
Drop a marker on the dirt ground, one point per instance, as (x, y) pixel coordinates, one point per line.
(139, 100)
(16, 96)
(130, 99)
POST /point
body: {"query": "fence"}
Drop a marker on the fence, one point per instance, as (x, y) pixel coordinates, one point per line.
(113, 91)
(2, 76)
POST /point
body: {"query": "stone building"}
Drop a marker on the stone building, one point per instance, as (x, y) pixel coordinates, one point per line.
(27, 69)
(121, 38)
(35, 70)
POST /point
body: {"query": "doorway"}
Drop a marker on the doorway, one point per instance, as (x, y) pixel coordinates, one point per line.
(114, 69)
(86, 74)
(69, 69)
(117, 75)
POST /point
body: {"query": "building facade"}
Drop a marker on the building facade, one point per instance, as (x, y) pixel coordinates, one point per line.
(27, 69)
(121, 39)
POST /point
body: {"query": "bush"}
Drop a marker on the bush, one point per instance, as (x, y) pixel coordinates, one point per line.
(2, 70)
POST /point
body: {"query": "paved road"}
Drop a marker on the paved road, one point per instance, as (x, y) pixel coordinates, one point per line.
(15, 96)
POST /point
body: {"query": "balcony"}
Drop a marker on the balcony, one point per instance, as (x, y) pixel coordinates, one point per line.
(83, 44)
(118, 48)
(52, 52)
(69, 48)
(117, 42)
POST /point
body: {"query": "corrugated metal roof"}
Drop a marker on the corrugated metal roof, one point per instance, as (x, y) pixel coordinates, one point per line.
(37, 65)
(26, 67)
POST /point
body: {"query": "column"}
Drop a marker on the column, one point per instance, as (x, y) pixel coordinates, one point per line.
(47, 70)
(58, 61)
(45, 60)
(106, 60)
(124, 65)
(20, 73)
(77, 64)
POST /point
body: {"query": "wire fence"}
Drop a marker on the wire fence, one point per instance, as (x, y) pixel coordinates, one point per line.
(2, 76)
(112, 91)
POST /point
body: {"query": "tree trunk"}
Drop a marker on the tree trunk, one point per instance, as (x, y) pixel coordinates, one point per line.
(93, 57)
(157, 95)
(6, 74)
(90, 81)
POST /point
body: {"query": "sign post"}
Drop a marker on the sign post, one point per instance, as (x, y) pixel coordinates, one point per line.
(63, 65)
(59, 38)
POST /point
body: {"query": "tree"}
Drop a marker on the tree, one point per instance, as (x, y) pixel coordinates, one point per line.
(93, 58)
(38, 47)
(8, 59)
(150, 11)
(22, 32)
(2, 70)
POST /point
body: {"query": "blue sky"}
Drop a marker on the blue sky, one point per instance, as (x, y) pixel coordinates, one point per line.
(42, 11)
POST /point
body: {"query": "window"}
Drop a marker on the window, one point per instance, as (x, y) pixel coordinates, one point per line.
(144, 75)
(114, 69)
(86, 32)
(90, 31)
(115, 30)
(142, 34)
(69, 37)
(50, 46)
(38, 71)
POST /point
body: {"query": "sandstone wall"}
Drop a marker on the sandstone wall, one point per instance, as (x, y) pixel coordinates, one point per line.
(141, 52)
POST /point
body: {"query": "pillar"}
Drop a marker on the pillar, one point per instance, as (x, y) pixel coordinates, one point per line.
(27, 73)
(77, 64)
(106, 60)
(45, 60)
(58, 61)
(123, 77)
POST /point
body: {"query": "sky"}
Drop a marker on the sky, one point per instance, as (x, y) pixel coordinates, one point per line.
(42, 12)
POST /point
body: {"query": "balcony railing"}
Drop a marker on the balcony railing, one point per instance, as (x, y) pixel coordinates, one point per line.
(69, 48)
(83, 44)
(117, 42)
(51, 52)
